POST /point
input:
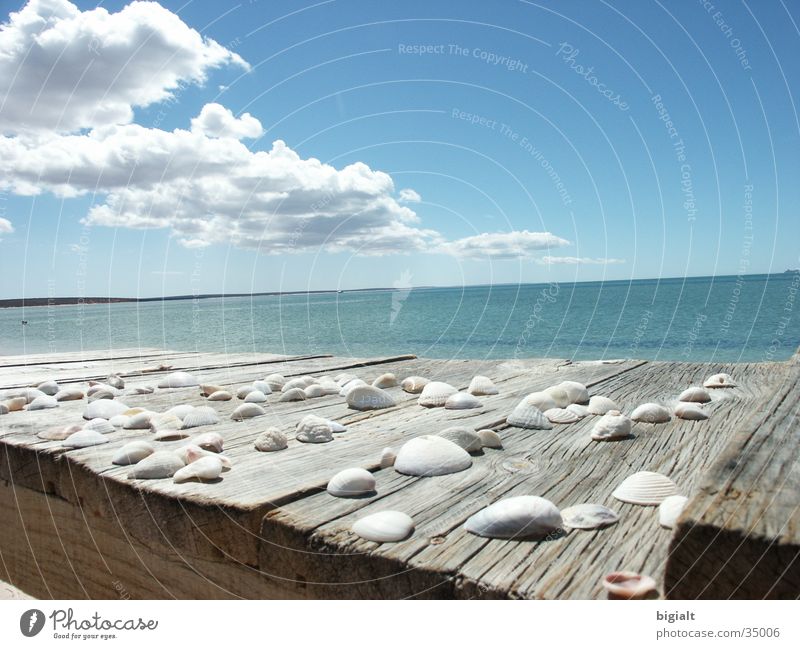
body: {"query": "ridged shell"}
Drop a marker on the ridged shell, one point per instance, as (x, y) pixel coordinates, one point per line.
(247, 411)
(139, 421)
(169, 435)
(384, 527)
(431, 455)
(315, 391)
(295, 394)
(388, 380)
(629, 585)
(181, 410)
(178, 380)
(388, 457)
(645, 488)
(344, 378)
(201, 416)
(651, 413)
(220, 395)
(435, 394)
(482, 386)
(690, 411)
(579, 410)
(351, 385)
(262, 386)
(205, 469)
(256, 396)
(207, 389)
(540, 400)
(58, 433)
(243, 390)
(133, 452)
(50, 388)
(161, 464)
(115, 380)
(560, 416)
(670, 509)
(100, 425)
(588, 516)
(695, 395)
(599, 405)
(275, 381)
(490, 439)
(43, 403)
(94, 388)
(164, 421)
(366, 397)
(462, 401)
(104, 409)
(721, 380)
(85, 438)
(528, 416)
(352, 483)
(209, 442)
(612, 425)
(518, 517)
(559, 395)
(271, 440)
(576, 392)
(69, 394)
(464, 437)
(414, 384)
(101, 394)
(298, 383)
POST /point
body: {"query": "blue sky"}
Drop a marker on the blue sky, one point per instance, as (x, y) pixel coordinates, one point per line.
(534, 137)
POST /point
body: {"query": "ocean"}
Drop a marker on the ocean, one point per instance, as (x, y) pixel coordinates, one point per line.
(731, 318)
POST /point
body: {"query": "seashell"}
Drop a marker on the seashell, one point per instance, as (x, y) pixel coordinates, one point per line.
(601, 405)
(101, 394)
(181, 410)
(431, 455)
(629, 585)
(164, 421)
(205, 469)
(366, 397)
(140, 389)
(464, 437)
(384, 527)
(351, 385)
(69, 394)
(721, 380)
(691, 411)
(3, 409)
(139, 421)
(94, 388)
(178, 380)
(29, 394)
(220, 395)
(670, 509)
(414, 384)
(161, 464)
(528, 416)
(388, 456)
(262, 386)
(388, 380)
(541, 400)
(50, 388)
(695, 395)
(243, 390)
(300, 383)
(169, 435)
(133, 452)
(576, 392)
(645, 488)
(104, 409)
(490, 439)
(352, 483)
(588, 516)
(518, 517)
(271, 440)
(43, 403)
(200, 416)
(559, 395)
(344, 378)
(247, 411)
(435, 394)
(256, 396)
(99, 425)
(191, 453)
(85, 438)
(206, 389)
(462, 401)
(58, 433)
(328, 387)
(15, 404)
(209, 442)
(612, 425)
(560, 416)
(115, 381)
(313, 423)
(315, 436)
(275, 381)
(651, 413)
(482, 386)
(315, 391)
(295, 394)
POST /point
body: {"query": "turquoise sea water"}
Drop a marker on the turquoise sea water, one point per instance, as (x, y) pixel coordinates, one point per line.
(749, 318)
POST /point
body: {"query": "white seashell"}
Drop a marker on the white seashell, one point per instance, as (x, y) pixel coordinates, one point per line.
(14, 404)
(275, 381)
(140, 389)
(344, 378)
(59, 432)
(315, 391)
(482, 386)
(295, 394)
(94, 388)
(528, 416)
(721, 380)
(178, 380)
(464, 437)
(139, 421)
(541, 400)
(576, 392)
(161, 464)
(352, 483)
(133, 452)
(69, 394)
(328, 387)
(164, 421)
(256, 396)
(191, 453)
(490, 439)
(201, 416)
(691, 411)
(243, 390)
(220, 395)
(645, 488)
(169, 435)
(299, 383)
(180, 411)
(518, 517)
(670, 509)
(262, 386)
(561, 416)
(29, 394)
(271, 440)
(388, 380)
(85, 438)
(50, 388)
(247, 411)
(104, 409)
(462, 401)
(336, 427)
(101, 394)
(588, 516)
(207, 389)
(388, 456)
(435, 394)
(313, 426)
(99, 425)
(651, 413)
(115, 380)
(612, 425)
(695, 395)
(599, 405)
(384, 527)
(209, 442)
(366, 397)
(351, 385)
(43, 403)
(205, 469)
(559, 395)
(414, 384)
(629, 585)
(431, 455)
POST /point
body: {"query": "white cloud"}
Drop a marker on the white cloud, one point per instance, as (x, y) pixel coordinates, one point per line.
(580, 260)
(503, 245)
(215, 120)
(5, 226)
(63, 69)
(408, 196)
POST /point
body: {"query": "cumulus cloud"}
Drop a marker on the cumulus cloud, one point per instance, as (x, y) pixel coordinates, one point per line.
(408, 196)
(580, 260)
(215, 120)
(503, 245)
(66, 70)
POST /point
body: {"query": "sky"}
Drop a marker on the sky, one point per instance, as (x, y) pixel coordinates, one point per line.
(154, 149)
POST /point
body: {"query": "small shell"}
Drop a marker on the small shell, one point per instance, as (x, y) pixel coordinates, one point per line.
(28, 393)
(69, 394)
(351, 385)
(99, 425)
(139, 421)
(388, 456)
(464, 437)
(256, 396)
(352, 483)
(695, 395)
(559, 395)
(275, 381)
(164, 421)
(431, 455)
(576, 392)
(518, 517)
(384, 527)
(262, 386)
(178, 380)
(721, 380)
(191, 453)
(133, 452)
(181, 410)
(366, 397)
(385, 381)
(169, 435)
(528, 416)
(344, 378)
(462, 401)
(588, 516)
(612, 425)
(490, 439)
(271, 440)
(161, 464)
(315, 391)
(329, 387)
(541, 400)
(645, 488)
(104, 408)
(651, 413)
(561, 416)
(691, 411)
(43, 403)
(670, 509)
(14, 404)
(247, 411)
(59, 432)
(94, 388)
(205, 469)
(314, 430)
(599, 405)
(209, 442)
(629, 585)
(85, 438)
(435, 394)
(50, 388)
(118, 421)
(207, 389)
(243, 390)
(299, 383)
(101, 394)
(201, 416)
(294, 394)
(414, 384)
(220, 395)
(482, 386)
(116, 381)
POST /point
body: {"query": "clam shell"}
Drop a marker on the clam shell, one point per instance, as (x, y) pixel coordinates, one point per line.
(271, 440)
(351, 385)
(352, 483)
(191, 453)
(384, 527)
(482, 386)
(201, 416)
(209, 442)
(139, 421)
(561, 416)
(247, 411)
(15, 404)
(388, 456)
(85, 438)
(328, 387)
(101, 394)
(69, 394)
(612, 425)
(262, 386)
(275, 381)
(206, 389)
(315, 391)
(599, 405)
(388, 380)
(50, 388)
(431, 455)
(43, 403)
(164, 421)
(133, 452)
(220, 395)
(540, 400)
(464, 437)
(116, 381)
(576, 392)
(414, 384)
(528, 416)
(294, 394)
(490, 439)
(169, 435)
(344, 378)
(181, 410)
(256, 396)
(579, 410)
(651, 413)
(243, 390)
(645, 488)
(588, 516)
(435, 394)
(178, 380)
(100, 425)
(94, 388)
(59, 432)
(695, 395)
(298, 383)
(161, 464)
(205, 469)
(366, 397)
(104, 409)
(670, 509)
(518, 517)
(720, 380)
(559, 395)
(119, 421)
(629, 585)
(462, 401)
(691, 411)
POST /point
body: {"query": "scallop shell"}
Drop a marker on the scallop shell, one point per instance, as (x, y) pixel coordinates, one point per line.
(243, 390)
(721, 380)
(50, 388)
(435, 394)
(612, 425)
(271, 440)
(161, 464)
(576, 392)
(588, 516)
(579, 410)
(99, 425)
(599, 405)
(518, 517)
(482, 386)
(388, 457)
(100, 394)
(169, 435)
(59, 432)
(352, 483)
(275, 381)
(262, 386)
(528, 416)
(94, 388)
(561, 416)
(133, 452)
(629, 585)
(464, 437)
(139, 421)
(220, 395)
(670, 509)
(209, 442)
(201, 416)
(178, 380)
(315, 391)
(105, 409)
(351, 385)
(388, 380)
(15, 404)
(247, 411)
(540, 400)
(181, 410)
(414, 384)
(256, 396)
(366, 397)
(164, 421)
(116, 381)
(691, 411)
(384, 527)
(294, 394)
(462, 401)
(191, 453)
(431, 455)
(69, 394)
(84, 438)
(695, 395)
(490, 439)
(205, 469)
(43, 403)
(298, 383)
(559, 395)
(645, 488)
(206, 389)
(651, 413)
